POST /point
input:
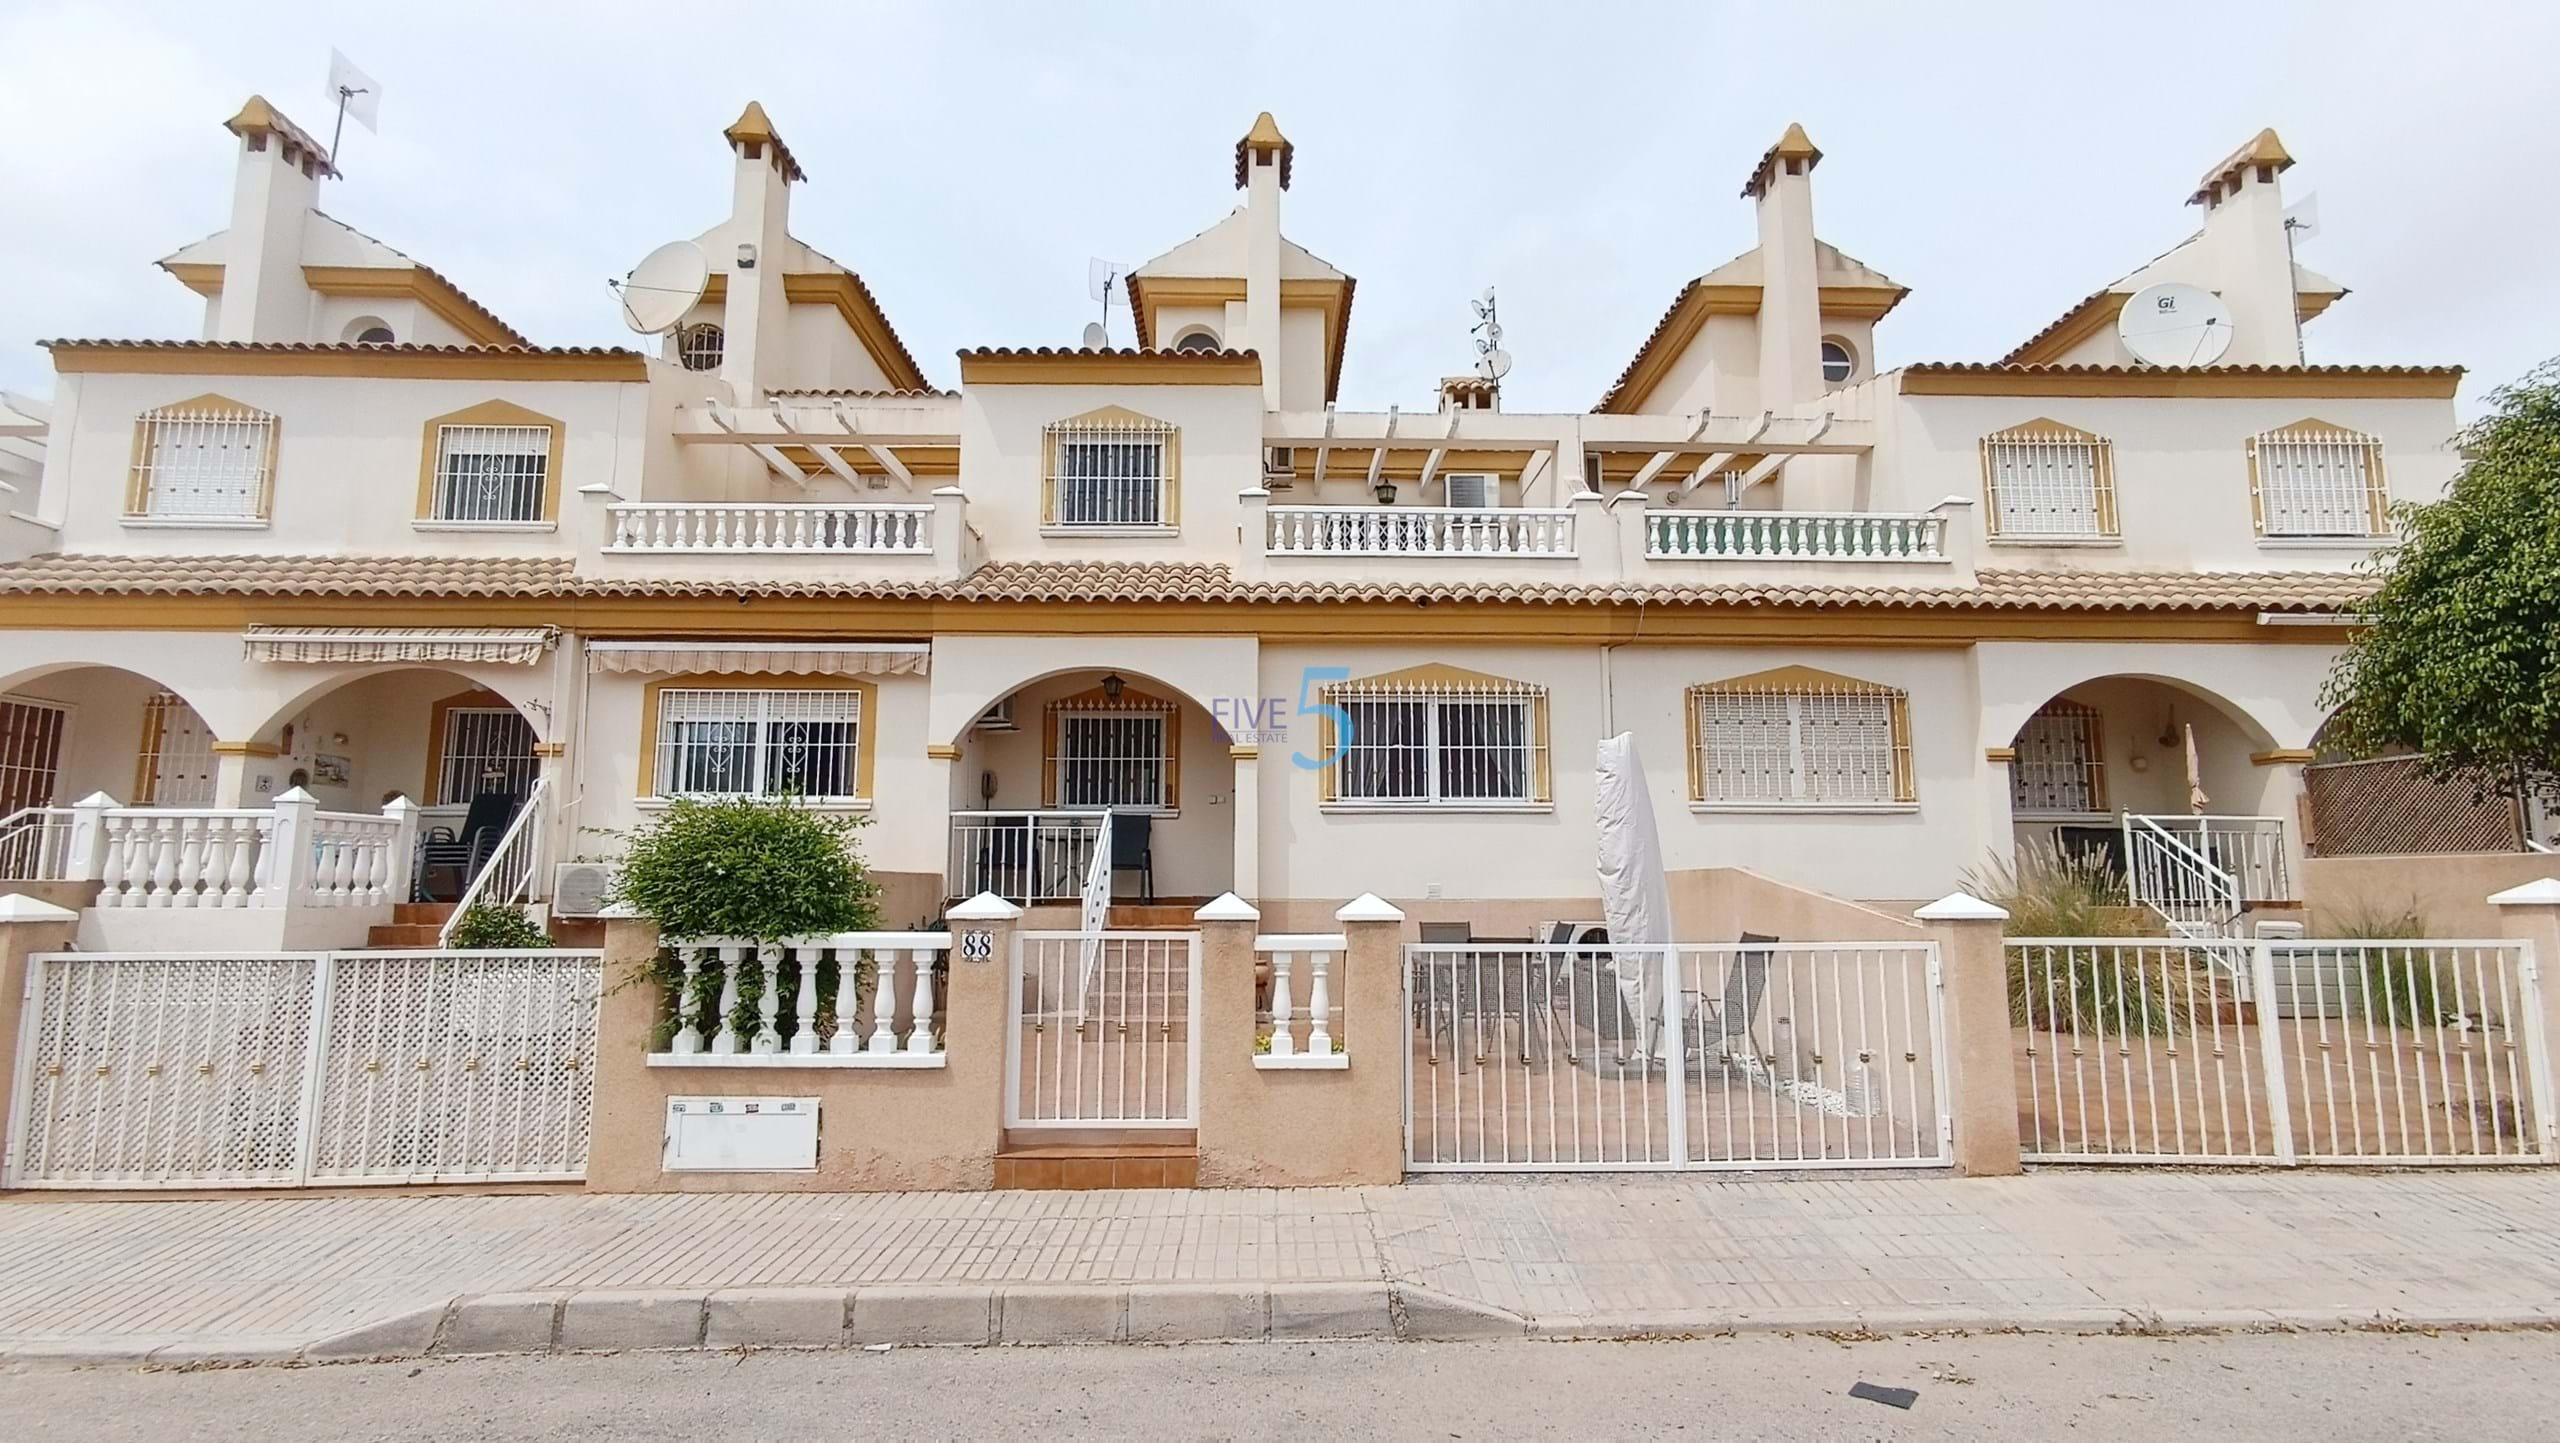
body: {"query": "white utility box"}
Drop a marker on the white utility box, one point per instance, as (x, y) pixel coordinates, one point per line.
(741, 1134)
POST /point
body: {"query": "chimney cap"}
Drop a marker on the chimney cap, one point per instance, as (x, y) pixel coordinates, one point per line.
(257, 118)
(754, 127)
(2264, 150)
(1795, 145)
(1264, 138)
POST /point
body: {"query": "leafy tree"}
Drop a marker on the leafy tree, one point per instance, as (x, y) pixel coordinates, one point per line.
(2460, 656)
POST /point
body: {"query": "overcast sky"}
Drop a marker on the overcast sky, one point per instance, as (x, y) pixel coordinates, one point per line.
(2003, 161)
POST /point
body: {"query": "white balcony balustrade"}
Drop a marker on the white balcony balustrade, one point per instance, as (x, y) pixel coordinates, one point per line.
(292, 855)
(1795, 536)
(847, 990)
(1464, 531)
(1302, 1025)
(723, 529)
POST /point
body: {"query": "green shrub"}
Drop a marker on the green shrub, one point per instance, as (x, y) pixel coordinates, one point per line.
(2399, 982)
(750, 870)
(2049, 892)
(486, 925)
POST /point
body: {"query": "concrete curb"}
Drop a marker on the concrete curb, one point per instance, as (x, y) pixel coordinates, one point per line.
(965, 1315)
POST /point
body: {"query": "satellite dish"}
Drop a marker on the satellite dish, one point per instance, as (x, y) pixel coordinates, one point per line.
(1495, 365)
(1098, 276)
(358, 95)
(1095, 338)
(2175, 325)
(667, 284)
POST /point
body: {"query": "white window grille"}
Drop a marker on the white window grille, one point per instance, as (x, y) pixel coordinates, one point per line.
(1801, 746)
(1108, 473)
(203, 463)
(1112, 758)
(484, 749)
(759, 743)
(31, 735)
(2318, 481)
(2060, 765)
(491, 473)
(701, 347)
(2049, 481)
(177, 754)
(1445, 743)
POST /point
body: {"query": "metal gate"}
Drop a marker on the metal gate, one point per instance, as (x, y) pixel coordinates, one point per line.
(1103, 1030)
(141, 1070)
(2163, 1050)
(1562, 1057)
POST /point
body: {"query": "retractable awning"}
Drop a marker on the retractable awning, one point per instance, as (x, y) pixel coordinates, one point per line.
(502, 646)
(788, 658)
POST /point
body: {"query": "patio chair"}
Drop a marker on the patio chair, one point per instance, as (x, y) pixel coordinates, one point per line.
(1511, 981)
(463, 854)
(1133, 850)
(1716, 1023)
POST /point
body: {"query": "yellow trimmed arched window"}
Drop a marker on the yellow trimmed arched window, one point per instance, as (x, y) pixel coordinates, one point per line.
(2313, 479)
(2048, 480)
(1111, 469)
(494, 464)
(210, 461)
(2059, 762)
(1122, 752)
(1435, 736)
(1797, 737)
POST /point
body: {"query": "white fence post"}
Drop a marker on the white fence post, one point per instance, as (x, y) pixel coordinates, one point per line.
(2530, 914)
(1675, 1057)
(85, 859)
(315, 1066)
(404, 848)
(289, 851)
(2262, 981)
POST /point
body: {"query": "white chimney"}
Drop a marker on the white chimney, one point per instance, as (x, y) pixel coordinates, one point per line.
(264, 297)
(2247, 254)
(1790, 295)
(1262, 173)
(755, 318)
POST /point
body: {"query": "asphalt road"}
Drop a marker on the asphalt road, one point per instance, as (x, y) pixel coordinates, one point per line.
(2332, 1387)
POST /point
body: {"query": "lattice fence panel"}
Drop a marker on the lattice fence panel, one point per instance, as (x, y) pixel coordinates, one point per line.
(2389, 805)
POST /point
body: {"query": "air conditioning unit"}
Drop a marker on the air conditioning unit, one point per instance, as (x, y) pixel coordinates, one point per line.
(1279, 465)
(578, 889)
(998, 718)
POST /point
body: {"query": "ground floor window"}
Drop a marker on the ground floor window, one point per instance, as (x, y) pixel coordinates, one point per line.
(1800, 744)
(1113, 747)
(482, 749)
(1426, 741)
(2059, 766)
(759, 743)
(31, 736)
(176, 768)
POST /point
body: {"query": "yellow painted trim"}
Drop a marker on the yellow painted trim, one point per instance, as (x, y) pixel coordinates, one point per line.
(1093, 699)
(941, 751)
(1440, 673)
(865, 740)
(550, 749)
(1672, 338)
(1999, 754)
(862, 316)
(202, 277)
(2283, 756)
(1150, 295)
(2103, 470)
(2078, 324)
(1169, 501)
(246, 749)
(1243, 751)
(478, 698)
(414, 283)
(1111, 368)
(2377, 495)
(189, 358)
(137, 501)
(1800, 678)
(2376, 385)
(490, 413)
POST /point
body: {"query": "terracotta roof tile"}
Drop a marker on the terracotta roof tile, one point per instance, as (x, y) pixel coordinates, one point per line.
(1156, 582)
(330, 348)
(1994, 368)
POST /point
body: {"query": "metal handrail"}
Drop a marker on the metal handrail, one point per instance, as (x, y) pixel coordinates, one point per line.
(498, 856)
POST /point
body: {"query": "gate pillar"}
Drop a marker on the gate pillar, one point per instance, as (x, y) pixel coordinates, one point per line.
(1973, 977)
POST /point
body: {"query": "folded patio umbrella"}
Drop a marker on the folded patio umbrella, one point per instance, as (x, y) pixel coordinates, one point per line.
(1635, 897)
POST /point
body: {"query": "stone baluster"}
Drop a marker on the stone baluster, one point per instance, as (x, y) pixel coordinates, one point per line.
(688, 1038)
(848, 997)
(804, 1037)
(724, 1042)
(1319, 1003)
(164, 862)
(191, 862)
(884, 1010)
(1282, 1043)
(768, 1037)
(920, 1036)
(115, 880)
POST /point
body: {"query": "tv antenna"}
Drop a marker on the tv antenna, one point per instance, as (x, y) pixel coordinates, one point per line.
(1492, 362)
(1099, 277)
(358, 95)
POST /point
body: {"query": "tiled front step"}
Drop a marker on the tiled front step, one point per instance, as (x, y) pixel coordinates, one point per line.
(1079, 1167)
(404, 934)
(413, 914)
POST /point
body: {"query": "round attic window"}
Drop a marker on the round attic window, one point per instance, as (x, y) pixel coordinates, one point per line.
(1196, 341)
(1839, 363)
(369, 331)
(700, 347)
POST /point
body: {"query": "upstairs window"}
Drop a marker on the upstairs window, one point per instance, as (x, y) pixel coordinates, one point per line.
(1111, 469)
(1472, 490)
(1799, 738)
(2046, 480)
(701, 347)
(1839, 363)
(491, 465)
(1437, 736)
(805, 744)
(1197, 340)
(2059, 766)
(209, 460)
(2312, 479)
(1112, 752)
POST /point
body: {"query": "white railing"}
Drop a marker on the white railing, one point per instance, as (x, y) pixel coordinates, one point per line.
(1418, 531)
(505, 879)
(1794, 536)
(291, 855)
(1107, 1042)
(721, 528)
(163, 1070)
(855, 999)
(32, 843)
(1553, 1057)
(1026, 857)
(2201, 873)
(356, 861)
(1279, 1041)
(189, 858)
(2278, 1051)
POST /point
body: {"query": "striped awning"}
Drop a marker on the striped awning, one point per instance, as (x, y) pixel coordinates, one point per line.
(501, 646)
(788, 658)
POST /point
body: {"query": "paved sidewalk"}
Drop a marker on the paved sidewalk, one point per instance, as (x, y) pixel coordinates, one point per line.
(1558, 1257)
